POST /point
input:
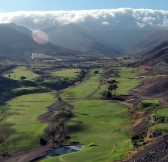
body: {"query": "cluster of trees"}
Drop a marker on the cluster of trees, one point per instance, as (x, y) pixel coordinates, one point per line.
(110, 93)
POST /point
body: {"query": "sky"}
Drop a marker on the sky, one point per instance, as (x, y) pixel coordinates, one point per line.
(51, 5)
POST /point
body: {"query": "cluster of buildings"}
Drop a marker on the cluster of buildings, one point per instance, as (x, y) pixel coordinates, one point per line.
(42, 56)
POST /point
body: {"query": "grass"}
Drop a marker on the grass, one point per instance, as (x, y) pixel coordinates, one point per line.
(160, 127)
(21, 71)
(102, 127)
(83, 89)
(152, 101)
(66, 73)
(162, 113)
(16, 90)
(21, 113)
(127, 81)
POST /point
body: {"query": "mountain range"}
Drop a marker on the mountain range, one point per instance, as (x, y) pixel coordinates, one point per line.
(17, 42)
(75, 39)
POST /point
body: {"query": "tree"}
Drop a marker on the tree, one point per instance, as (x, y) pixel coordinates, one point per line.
(9, 76)
(112, 82)
(43, 142)
(112, 87)
(106, 95)
(115, 86)
(96, 72)
(22, 78)
(60, 100)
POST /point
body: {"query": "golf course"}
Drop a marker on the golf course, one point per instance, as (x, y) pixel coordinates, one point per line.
(102, 127)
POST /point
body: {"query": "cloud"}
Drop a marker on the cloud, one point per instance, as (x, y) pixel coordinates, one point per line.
(122, 18)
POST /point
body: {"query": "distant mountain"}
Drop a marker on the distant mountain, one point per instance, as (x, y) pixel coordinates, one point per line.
(94, 39)
(148, 41)
(156, 55)
(17, 42)
(74, 39)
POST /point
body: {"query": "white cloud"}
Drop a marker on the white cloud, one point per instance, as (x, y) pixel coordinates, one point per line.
(123, 17)
(105, 23)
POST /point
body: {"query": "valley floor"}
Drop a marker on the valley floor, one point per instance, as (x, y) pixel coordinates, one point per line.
(103, 127)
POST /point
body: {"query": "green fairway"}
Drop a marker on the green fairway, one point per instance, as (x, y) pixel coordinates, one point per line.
(162, 113)
(152, 101)
(20, 71)
(66, 73)
(21, 113)
(83, 89)
(127, 80)
(103, 128)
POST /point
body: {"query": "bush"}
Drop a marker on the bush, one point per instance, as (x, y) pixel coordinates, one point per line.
(43, 142)
(106, 95)
(96, 72)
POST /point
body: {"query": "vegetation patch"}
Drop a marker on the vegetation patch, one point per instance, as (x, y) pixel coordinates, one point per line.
(19, 72)
(83, 89)
(20, 114)
(159, 129)
(162, 113)
(102, 126)
(98, 125)
(66, 73)
(148, 103)
(127, 80)
(161, 116)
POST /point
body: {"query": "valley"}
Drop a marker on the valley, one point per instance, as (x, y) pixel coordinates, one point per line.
(115, 110)
(103, 127)
(83, 81)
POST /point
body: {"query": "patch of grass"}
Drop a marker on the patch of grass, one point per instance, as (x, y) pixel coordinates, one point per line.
(16, 90)
(152, 102)
(42, 65)
(102, 127)
(162, 113)
(160, 127)
(21, 113)
(66, 73)
(20, 71)
(83, 89)
(127, 81)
